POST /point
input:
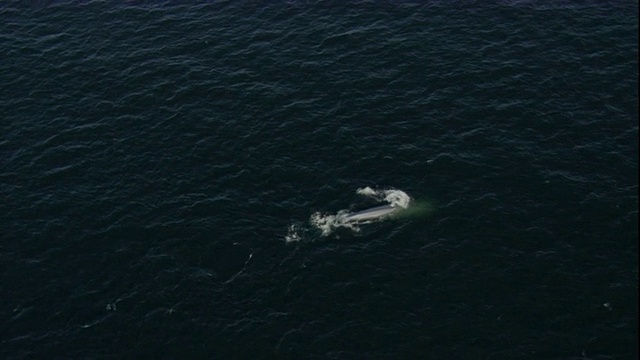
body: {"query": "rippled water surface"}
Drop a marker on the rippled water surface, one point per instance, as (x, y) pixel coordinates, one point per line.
(176, 180)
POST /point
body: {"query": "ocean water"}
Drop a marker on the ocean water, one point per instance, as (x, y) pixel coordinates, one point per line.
(176, 179)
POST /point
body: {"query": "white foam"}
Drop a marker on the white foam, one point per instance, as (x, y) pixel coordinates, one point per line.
(327, 223)
(292, 234)
(367, 191)
(392, 196)
(397, 198)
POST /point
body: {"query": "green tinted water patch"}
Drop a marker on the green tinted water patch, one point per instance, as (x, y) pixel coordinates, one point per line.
(419, 209)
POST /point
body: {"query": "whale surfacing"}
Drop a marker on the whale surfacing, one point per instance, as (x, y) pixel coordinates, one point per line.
(376, 213)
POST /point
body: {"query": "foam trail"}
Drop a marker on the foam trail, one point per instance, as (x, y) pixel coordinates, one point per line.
(327, 223)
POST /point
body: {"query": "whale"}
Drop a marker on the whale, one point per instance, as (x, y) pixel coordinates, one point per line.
(372, 214)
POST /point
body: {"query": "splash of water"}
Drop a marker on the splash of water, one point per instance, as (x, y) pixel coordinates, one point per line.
(393, 196)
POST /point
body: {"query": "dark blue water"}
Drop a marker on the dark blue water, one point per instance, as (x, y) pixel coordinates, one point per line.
(162, 166)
